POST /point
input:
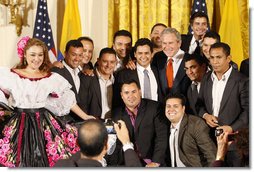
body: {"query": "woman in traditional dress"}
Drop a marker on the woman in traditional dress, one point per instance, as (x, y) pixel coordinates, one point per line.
(33, 135)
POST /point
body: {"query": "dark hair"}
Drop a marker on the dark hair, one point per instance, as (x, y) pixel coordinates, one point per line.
(242, 144)
(176, 96)
(225, 47)
(107, 50)
(143, 41)
(158, 24)
(196, 57)
(212, 34)
(85, 38)
(196, 15)
(73, 43)
(129, 81)
(92, 137)
(122, 33)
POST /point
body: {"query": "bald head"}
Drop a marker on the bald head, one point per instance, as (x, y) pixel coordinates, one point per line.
(92, 137)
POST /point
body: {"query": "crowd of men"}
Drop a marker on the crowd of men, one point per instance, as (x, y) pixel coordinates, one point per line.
(170, 93)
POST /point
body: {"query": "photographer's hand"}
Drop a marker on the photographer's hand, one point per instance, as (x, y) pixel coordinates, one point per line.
(222, 142)
(122, 132)
(226, 128)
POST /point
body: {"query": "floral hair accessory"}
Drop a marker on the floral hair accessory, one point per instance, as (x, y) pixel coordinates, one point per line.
(21, 45)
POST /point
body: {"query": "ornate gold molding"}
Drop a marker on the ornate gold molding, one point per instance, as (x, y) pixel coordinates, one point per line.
(16, 11)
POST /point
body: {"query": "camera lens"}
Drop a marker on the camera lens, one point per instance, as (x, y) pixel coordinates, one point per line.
(218, 132)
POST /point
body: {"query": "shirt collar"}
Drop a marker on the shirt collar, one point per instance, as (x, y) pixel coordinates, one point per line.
(177, 125)
(111, 78)
(71, 69)
(178, 56)
(141, 68)
(225, 76)
(130, 113)
(195, 83)
(193, 41)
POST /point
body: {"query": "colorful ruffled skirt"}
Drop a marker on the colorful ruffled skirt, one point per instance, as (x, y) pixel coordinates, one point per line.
(36, 138)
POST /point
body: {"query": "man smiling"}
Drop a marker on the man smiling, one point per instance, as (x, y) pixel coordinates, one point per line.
(144, 74)
(189, 142)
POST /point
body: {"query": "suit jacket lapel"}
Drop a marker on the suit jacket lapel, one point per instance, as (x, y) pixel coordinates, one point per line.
(128, 123)
(209, 93)
(140, 115)
(97, 88)
(70, 79)
(135, 75)
(182, 129)
(180, 73)
(162, 66)
(229, 86)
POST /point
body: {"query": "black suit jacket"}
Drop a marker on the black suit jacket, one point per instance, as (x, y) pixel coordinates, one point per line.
(244, 68)
(130, 156)
(234, 106)
(181, 81)
(192, 100)
(94, 99)
(186, 40)
(81, 94)
(128, 74)
(150, 134)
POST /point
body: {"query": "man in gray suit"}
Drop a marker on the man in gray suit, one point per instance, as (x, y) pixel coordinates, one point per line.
(189, 142)
(224, 97)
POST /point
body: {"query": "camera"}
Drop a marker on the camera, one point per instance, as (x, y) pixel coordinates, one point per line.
(109, 123)
(218, 132)
(231, 137)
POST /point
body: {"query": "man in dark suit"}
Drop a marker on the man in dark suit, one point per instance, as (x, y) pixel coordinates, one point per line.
(199, 24)
(224, 97)
(93, 146)
(143, 53)
(122, 44)
(155, 37)
(244, 68)
(143, 119)
(195, 67)
(101, 85)
(189, 142)
(209, 39)
(171, 42)
(70, 71)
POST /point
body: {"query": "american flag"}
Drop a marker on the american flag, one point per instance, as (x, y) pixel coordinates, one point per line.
(198, 5)
(42, 28)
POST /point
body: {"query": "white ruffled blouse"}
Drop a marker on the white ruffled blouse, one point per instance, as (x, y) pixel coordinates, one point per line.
(51, 92)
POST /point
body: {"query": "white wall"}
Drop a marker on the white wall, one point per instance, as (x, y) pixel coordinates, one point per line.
(94, 21)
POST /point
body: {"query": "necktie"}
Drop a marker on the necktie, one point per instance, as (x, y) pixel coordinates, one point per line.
(194, 91)
(169, 73)
(172, 142)
(197, 50)
(147, 86)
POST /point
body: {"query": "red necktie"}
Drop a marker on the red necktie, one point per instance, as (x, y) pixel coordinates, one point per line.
(169, 73)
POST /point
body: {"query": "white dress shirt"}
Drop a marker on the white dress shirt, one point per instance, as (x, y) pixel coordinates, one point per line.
(106, 87)
(153, 82)
(198, 84)
(74, 74)
(177, 59)
(218, 90)
(175, 130)
(193, 45)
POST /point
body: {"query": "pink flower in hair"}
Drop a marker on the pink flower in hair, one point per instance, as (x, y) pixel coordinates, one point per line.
(21, 45)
